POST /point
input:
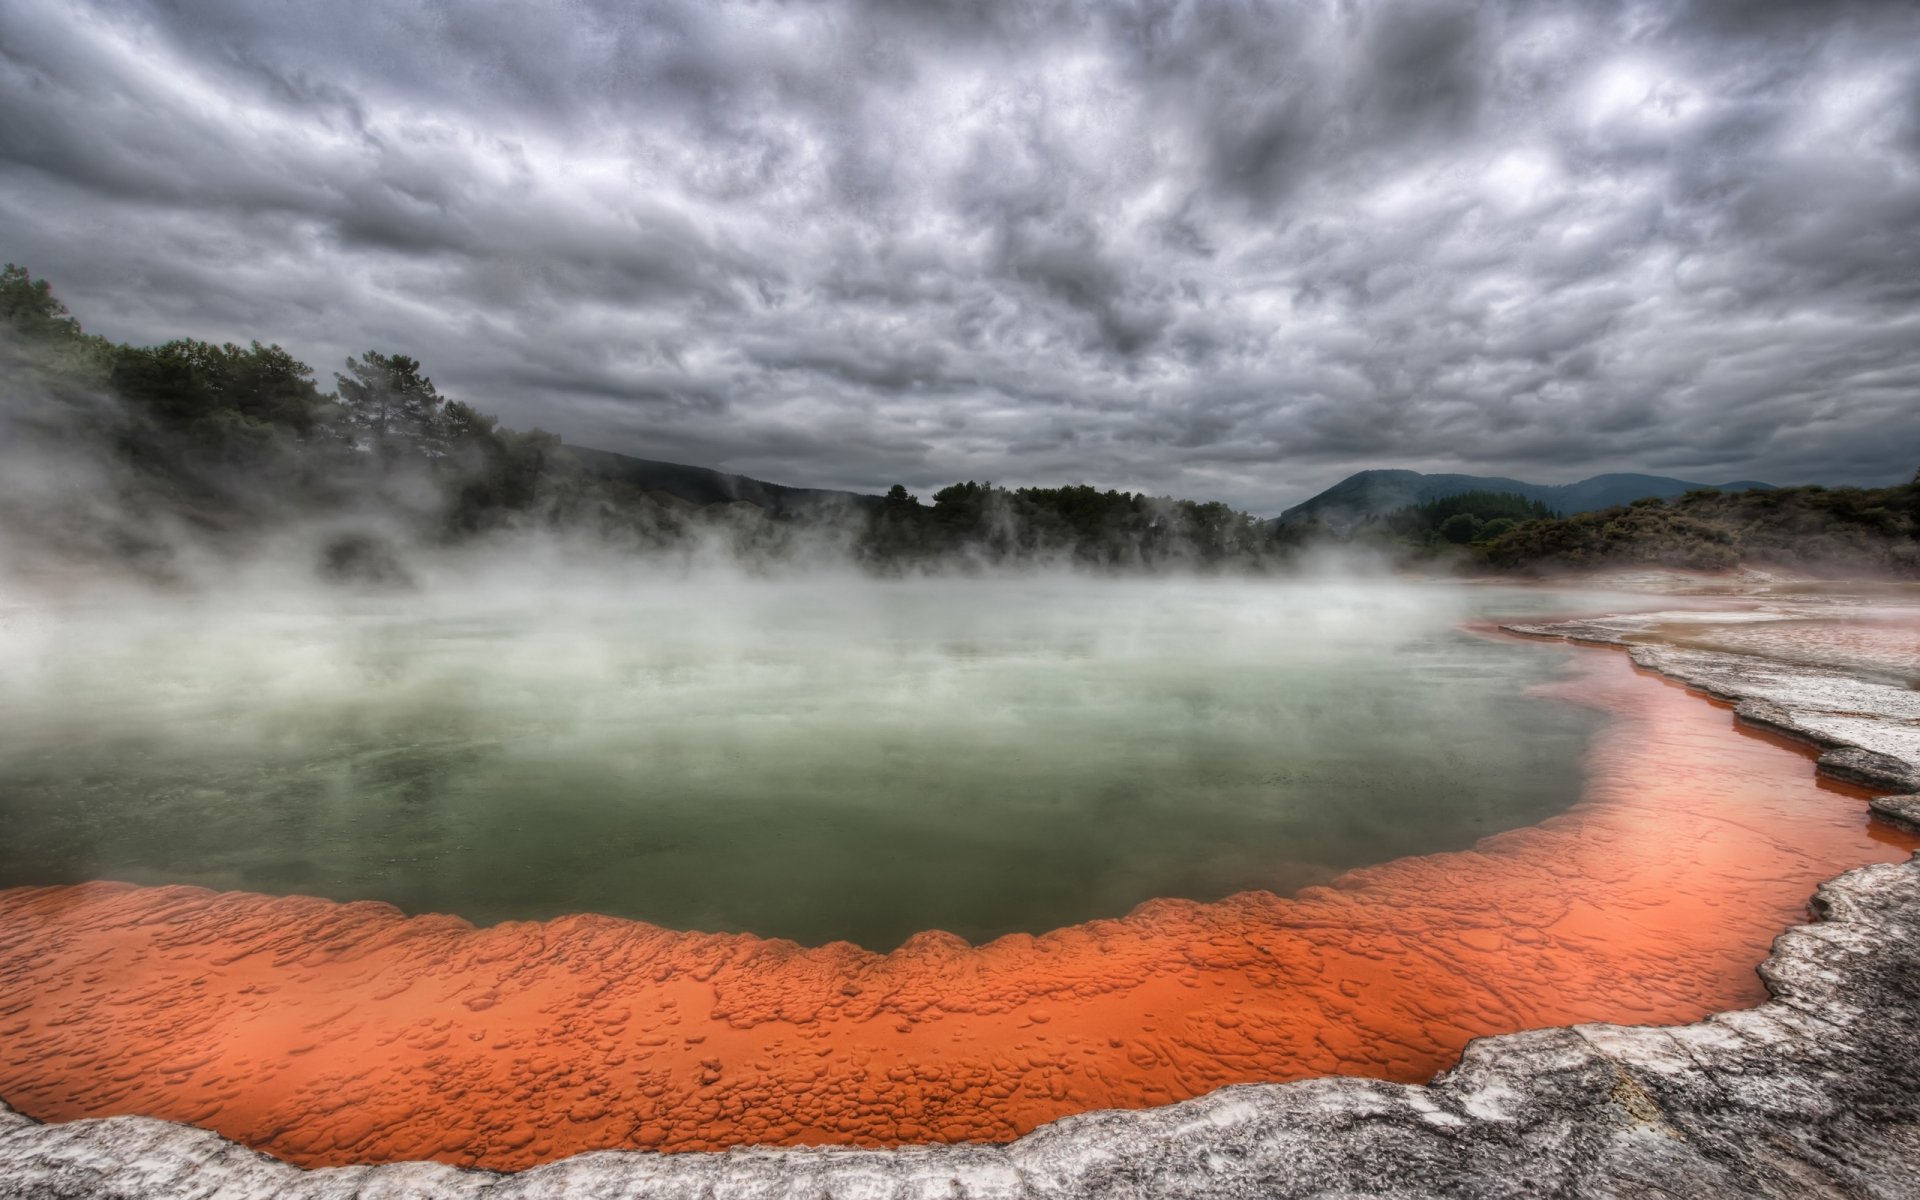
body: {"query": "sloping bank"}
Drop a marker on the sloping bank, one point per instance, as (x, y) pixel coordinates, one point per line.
(1812, 1092)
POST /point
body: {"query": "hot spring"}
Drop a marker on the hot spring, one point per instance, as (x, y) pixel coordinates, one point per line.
(811, 759)
(509, 868)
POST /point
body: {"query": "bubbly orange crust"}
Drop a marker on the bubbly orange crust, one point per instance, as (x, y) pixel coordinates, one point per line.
(329, 1033)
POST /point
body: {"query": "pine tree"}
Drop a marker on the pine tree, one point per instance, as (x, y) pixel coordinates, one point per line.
(396, 407)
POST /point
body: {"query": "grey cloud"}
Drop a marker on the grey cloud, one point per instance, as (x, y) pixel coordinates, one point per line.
(1219, 249)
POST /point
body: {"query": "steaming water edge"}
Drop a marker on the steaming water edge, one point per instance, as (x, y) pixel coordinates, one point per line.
(817, 759)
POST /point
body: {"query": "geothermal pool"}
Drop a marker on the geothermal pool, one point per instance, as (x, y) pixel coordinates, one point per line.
(818, 760)
(1447, 835)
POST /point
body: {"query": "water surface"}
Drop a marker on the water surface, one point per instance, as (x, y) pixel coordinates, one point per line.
(815, 759)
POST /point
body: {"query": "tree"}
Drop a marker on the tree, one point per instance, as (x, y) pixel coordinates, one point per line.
(1494, 528)
(493, 472)
(393, 404)
(29, 306)
(47, 341)
(185, 380)
(268, 384)
(465, 425)
(1460, 528)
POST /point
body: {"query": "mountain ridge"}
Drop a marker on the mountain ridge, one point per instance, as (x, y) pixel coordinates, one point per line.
(1372, 493)
(705, 485)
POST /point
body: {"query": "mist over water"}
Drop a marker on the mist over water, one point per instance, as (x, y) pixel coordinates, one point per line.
(813, 756)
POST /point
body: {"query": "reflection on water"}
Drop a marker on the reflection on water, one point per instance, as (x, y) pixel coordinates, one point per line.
(815, 760)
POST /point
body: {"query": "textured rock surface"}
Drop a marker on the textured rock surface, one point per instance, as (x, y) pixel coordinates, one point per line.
(1868, 637)
(1846, 687)
(1903, 811)
(1810, 1093)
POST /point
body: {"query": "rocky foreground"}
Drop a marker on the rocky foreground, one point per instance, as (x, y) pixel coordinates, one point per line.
(1846, 686)
(1811, 1093)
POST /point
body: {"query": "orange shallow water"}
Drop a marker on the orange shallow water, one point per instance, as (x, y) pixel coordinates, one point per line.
(331, 1033)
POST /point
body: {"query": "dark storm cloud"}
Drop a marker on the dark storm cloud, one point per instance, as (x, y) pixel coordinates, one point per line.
(1219, 249)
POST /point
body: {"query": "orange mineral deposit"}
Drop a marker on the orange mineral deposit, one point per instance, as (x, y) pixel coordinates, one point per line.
(330, 1033)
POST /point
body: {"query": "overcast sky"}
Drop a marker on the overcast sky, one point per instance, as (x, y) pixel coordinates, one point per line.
(1222, 250)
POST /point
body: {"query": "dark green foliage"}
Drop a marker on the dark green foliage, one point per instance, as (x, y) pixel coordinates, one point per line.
(896, 533)
(1844, 530)
(1836, 530)
(46, 346)
(495, 473)
(1457, 520)
(1460, 528)
(1484, 505)
(228, 439)
(233, 440)
(1370, 495)
(31, 310)
(979, 523)
(238, 406)
(394, 406)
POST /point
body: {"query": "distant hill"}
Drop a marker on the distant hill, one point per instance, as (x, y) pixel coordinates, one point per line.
(703, 485)
(1374, 493)
(1836, 532)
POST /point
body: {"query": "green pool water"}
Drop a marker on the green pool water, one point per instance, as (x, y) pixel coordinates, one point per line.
(817, 759)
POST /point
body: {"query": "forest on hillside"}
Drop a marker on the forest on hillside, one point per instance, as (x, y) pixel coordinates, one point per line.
(139, 455)
(1464, 519)
(1820, 530)
(129, 453)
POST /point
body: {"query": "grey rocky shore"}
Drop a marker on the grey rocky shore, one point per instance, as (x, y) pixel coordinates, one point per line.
(1816, 1092)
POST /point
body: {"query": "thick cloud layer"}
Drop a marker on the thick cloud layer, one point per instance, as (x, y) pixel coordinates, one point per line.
(1227, 250)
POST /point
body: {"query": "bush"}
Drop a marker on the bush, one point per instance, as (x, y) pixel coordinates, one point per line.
(1461, 528)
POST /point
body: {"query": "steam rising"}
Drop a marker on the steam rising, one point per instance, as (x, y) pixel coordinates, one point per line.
(815, 754)
(729, 722)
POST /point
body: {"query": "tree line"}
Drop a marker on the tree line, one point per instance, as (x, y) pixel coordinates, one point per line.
(231, 438)
(1078, 523)
(228, 440)
(1821, 530)
(1467, 518)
